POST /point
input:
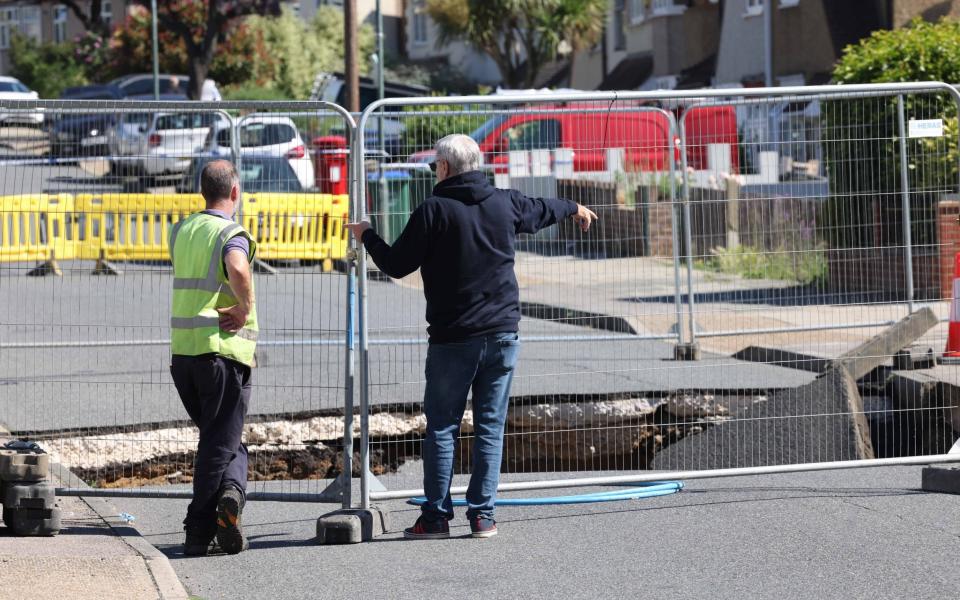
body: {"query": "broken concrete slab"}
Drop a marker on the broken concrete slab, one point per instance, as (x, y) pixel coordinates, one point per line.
(818, 422)
(914, 358)
(927, 410)
(784, 358)
(880, 348)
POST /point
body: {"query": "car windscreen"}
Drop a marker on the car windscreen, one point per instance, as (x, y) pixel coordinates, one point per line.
(268, 175)
(480, 133)
(184, 121)
(144, 85)
(142, 119)
(12, 86)
(265, 134)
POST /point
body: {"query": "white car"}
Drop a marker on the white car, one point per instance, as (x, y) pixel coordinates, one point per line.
(159, 144)
(12, 89)
(266, 135)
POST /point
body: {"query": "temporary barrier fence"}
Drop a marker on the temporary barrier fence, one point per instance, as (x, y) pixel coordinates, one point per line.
(86, 359)
(669, 261)
(755, 168)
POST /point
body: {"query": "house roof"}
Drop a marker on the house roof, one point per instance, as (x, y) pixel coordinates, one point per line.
(699, 75)
(630, 73)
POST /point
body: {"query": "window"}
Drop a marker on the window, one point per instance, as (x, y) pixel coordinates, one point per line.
(754, 8)
(534, 135)
(8, 21)
(666, 8)
(619, 25)
(106, 12)
(265, 134)
(60, 24)
(30, 22)
(419, 23)
(789, 3)
(637, 10)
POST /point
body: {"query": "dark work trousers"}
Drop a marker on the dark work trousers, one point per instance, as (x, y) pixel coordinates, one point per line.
(215, 391)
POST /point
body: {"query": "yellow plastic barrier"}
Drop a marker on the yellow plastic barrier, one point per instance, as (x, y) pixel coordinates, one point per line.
(116, 227)
(37, 227)
(130, 226)
(297, 226)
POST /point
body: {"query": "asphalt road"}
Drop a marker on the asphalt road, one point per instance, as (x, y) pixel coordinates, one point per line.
(867, 533)
(84, 387)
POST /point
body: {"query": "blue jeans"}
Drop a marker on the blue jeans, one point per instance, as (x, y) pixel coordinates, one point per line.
(485, 365)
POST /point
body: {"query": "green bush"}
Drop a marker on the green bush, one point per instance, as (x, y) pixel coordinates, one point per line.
(423, 130)
(806, 266)
(862, 141)
(46, 68)
(254, 92)
(301, 50)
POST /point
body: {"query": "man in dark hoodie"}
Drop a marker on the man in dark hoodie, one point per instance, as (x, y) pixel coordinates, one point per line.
(462, 239)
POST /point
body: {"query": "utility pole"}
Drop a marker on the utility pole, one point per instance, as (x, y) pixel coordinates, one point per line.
(382, 59)
(156, 51)
(352, 71)
(768, 42)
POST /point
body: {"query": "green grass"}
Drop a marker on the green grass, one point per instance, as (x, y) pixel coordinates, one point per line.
(803, 266)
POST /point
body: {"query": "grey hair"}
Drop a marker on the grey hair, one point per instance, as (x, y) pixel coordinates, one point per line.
(461, 152)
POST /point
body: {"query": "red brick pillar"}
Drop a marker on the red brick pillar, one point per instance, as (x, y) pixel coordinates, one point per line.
(949, 237)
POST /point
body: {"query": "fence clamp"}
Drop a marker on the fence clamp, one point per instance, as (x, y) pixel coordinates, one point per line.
(352, 255)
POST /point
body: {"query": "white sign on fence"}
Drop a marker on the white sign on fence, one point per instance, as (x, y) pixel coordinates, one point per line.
(922, 128)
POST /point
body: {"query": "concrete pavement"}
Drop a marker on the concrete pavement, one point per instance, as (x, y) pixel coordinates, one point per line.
(96, 555)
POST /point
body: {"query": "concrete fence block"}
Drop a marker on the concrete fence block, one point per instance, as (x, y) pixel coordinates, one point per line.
(24, 467)
(40, 495)
(32, 522)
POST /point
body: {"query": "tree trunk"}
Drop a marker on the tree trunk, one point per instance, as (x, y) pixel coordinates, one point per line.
(198, 74)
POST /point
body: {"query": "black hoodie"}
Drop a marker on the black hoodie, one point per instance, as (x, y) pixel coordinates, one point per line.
(462, 240)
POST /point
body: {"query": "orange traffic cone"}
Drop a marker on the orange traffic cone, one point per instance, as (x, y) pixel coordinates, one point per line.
(953, 336)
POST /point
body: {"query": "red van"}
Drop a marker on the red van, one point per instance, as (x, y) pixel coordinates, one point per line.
(589, 130)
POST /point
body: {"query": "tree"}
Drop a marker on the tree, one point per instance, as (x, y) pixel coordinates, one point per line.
(92, 19)
(46, 68)
(242, 56)
(861, 136)
(521, 36)
(301, 50)
(202, 25)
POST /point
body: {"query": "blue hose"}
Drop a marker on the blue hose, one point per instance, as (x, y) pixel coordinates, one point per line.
(646, 490)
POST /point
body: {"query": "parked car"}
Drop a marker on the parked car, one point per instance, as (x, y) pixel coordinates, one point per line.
(265, 136)
(644, 136)
(141, 84)
(83, 134)
(257, 174)
(156, 144)
(331, 88)
(12, 89)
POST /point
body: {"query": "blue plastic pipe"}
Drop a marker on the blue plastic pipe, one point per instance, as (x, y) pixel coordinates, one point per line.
(645, 490)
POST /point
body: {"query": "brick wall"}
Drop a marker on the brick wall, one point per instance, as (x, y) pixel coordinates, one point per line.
(949, 238)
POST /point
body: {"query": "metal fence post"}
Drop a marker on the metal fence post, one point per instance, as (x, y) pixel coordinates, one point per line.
(687, 233)
(675, 227)
(350, 349)
(905, 206)
(361, 203)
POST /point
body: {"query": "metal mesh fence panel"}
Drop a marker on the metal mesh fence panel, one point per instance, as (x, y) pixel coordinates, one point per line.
(86, 355)
(772, 232)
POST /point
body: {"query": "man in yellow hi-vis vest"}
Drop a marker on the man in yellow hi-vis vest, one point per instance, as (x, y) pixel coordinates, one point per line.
(213, 337)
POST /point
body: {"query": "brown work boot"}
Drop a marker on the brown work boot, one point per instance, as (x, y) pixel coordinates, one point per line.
(229, 531)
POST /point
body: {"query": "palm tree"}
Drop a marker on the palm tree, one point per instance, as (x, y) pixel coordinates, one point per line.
(521, 36)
